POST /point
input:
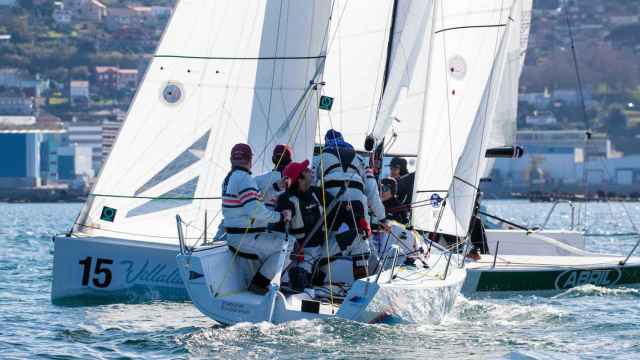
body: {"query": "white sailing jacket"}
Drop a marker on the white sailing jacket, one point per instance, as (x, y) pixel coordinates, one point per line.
(361, 183)
(268, 185)
(241, 205)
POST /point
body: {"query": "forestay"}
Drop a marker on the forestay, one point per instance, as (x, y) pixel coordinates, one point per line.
(465, 44)
(226, 71)
(505, 121)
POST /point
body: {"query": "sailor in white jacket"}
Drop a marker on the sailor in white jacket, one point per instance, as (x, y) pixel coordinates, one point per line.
(245, 222)
(341, 166)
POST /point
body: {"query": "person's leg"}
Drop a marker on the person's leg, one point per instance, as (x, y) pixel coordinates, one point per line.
(268, 247)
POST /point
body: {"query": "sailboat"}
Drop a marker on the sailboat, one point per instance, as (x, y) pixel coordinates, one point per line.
(446, 58)
(535, 261)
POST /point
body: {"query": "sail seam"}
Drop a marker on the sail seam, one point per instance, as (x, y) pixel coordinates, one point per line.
(466, 182)
(470, 27)
(242, 58)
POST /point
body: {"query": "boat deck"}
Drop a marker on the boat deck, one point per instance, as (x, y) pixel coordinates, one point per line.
(527, 262)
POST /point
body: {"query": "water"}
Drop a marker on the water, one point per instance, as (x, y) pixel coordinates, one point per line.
(585, 323)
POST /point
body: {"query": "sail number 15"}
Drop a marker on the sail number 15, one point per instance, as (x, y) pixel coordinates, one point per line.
(100, 269)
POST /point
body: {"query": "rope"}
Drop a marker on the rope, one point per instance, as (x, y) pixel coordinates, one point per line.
(324, 214)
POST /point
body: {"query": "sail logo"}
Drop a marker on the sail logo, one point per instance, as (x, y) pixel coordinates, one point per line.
(573, 278)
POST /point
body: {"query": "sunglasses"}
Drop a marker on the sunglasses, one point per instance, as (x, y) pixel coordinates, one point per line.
(386, 188)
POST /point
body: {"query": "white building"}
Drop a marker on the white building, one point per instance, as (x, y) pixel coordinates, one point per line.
(90, 135)
(79, 89)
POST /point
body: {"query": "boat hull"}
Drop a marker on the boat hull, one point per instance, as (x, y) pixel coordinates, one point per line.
(414, 295)
(96, 270)
(505, 280)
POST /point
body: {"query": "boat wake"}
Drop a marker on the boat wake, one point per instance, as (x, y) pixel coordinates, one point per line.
(592, 290)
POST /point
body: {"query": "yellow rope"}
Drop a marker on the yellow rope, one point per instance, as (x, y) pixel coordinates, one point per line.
(324, 214)
(250, 221)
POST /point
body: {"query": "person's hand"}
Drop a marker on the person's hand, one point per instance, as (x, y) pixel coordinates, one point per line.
(282, 183)
(286, 215)
(385, 225)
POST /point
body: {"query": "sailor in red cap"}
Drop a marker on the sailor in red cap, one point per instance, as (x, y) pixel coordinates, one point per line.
(245, 222)
(307, 204)
(272, 183)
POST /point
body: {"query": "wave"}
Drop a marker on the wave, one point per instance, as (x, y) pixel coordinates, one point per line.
(592, 290)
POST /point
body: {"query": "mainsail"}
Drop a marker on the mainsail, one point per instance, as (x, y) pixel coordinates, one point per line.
(225, 71)
(465, 67)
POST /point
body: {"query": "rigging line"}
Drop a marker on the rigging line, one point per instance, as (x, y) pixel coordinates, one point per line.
(241, 58)
(583, 108)
(130, 233)
(153, 197)
(324, 214)
(471, 27)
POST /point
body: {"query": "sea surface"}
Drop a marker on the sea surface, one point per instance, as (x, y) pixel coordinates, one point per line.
(584, 323)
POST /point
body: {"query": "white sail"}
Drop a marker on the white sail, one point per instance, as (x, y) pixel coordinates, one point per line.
(401, 103)
(505, 121)
(465, 44)
(355, 66)
(226, 71)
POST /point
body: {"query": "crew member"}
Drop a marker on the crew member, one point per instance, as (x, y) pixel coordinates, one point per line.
(343, 172)
(395, 210)
(245, 221)
(340, 167)
(307, 204)
(404, 179)
(398, 167)
(272, 183)
(478, 235)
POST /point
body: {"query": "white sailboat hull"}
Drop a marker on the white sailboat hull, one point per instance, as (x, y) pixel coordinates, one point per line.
(414, 295)
(108, 270)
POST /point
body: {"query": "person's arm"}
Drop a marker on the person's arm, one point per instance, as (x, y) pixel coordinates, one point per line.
(373, 196)
(252, 207)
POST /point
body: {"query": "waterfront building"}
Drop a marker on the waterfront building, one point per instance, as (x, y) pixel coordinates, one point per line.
(115, 78)
(74, 161)
(22, 137)
(21, 79)
(90, 135)
(110, 130)
(564, 161)
(79, 90)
